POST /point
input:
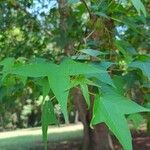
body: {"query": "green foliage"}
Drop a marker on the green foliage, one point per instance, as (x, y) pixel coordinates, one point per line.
(109, 107)
(58, 76)
(143, 66)
(109, 42)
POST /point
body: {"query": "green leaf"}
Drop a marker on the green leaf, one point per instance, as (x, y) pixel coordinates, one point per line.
(143, 57)
(45, 86)
(126, 49)
(7, 63)
(85, 92)
(82, 81)
(102, 14)
(143, 66)
(119, 82)
(80, 57)
(103, 77)
(48, 117)
(111, 108)
(71, 67)
(139, 7)
(34, 70)
(92, 52)
(58, 76)
(59, 82)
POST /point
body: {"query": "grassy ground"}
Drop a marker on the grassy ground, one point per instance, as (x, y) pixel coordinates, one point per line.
(29, 139)
(62, 138)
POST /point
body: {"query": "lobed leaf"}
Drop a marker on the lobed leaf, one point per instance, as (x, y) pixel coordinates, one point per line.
(111, 108)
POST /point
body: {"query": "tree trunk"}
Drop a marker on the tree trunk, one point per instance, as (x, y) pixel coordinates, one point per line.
(98, 137)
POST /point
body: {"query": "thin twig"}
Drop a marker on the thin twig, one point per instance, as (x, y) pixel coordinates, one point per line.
(87, 8)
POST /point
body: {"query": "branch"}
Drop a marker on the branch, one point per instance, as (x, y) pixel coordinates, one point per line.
(87, 8)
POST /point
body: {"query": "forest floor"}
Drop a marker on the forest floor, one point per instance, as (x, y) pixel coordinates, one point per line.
(66, 137)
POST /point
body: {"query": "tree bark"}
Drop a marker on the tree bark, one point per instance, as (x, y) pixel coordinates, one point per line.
(94, 139)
